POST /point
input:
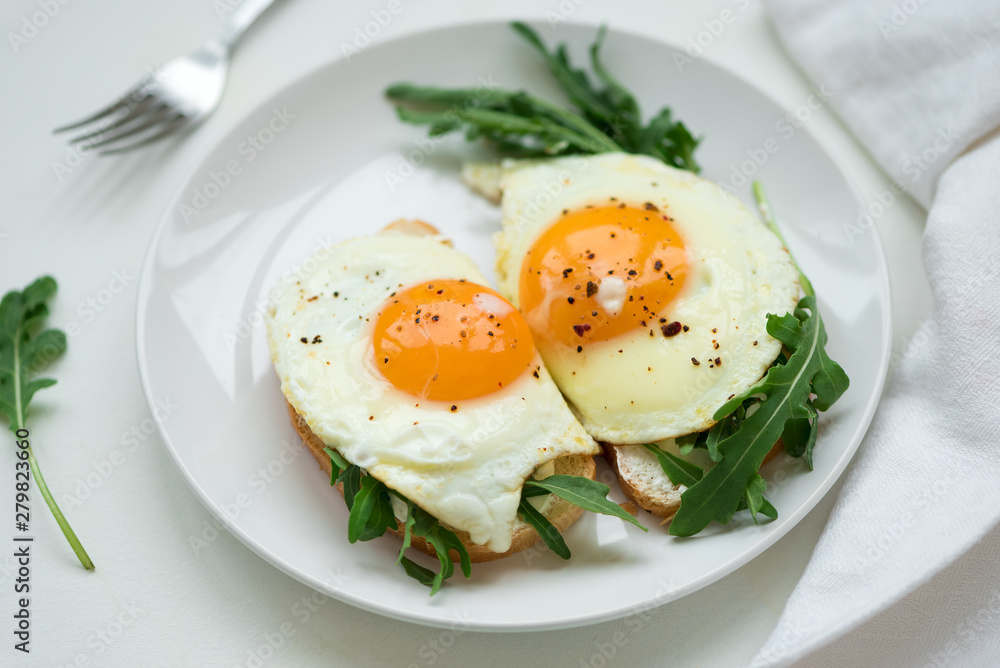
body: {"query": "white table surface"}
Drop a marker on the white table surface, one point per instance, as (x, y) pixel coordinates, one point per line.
(152, 599)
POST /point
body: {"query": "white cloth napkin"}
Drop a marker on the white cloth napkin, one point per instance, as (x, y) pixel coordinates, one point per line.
(918, 81)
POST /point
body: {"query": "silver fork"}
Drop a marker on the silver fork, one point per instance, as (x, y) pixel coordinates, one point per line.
(175, 96)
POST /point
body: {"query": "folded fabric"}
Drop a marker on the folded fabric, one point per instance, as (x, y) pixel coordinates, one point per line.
(919, 84)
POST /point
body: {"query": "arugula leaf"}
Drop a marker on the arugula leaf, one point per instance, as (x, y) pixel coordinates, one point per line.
(424, 576)
(679, 471)
(407, 534)
(793, 389)
(339, 463)
(351, 477)
(541, 524)
(602, 120)
(443, 540)
(583, 492)
(755, 501)
(371, 515)
(23, 351)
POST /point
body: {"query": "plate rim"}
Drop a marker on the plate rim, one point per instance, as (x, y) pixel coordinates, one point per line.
(727, 568)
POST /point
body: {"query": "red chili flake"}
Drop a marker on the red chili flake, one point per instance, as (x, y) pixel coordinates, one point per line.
(695, 361)
(580, 329)
(567, 271)
(715, 344)
(642, 322)
(651, 207)
(591, 288)
(570, 300)
(313, 298)
(462, 333)
(671, 329)
(718, 361)
(371, 417)
(440, 292)
(657, 265)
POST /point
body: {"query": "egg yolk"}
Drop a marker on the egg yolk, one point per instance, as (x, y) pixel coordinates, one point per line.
(600, 272)
(448, 340)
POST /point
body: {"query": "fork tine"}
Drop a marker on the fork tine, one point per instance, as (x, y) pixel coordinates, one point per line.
(151, 119)
(131, 115)
(169, 127)
(121, 102)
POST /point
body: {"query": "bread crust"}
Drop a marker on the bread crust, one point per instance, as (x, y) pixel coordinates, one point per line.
(560, 513)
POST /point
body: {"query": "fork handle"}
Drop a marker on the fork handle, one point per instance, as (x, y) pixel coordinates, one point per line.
(241, 19)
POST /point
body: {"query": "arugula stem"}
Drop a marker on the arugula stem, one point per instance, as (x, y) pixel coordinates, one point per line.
(57, 513)
(767, 213)
(33, 463)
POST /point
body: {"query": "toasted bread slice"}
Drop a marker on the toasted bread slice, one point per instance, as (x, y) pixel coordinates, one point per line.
(559, 512)
(642, 478)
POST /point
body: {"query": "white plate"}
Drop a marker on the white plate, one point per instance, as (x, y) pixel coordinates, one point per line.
(312, 167)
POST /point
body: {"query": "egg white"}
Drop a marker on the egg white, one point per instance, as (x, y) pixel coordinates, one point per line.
(638, 388)
(465, 467)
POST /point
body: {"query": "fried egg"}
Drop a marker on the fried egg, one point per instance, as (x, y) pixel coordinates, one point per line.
(646, 289)
(395, 352)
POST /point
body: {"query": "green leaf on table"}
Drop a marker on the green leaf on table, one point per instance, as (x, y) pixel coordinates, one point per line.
(24, 350)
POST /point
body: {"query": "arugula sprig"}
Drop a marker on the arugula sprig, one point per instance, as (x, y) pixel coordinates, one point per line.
(371, 515)
(784, 404)
(603, 119)
(23, 351)
(583, 492)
